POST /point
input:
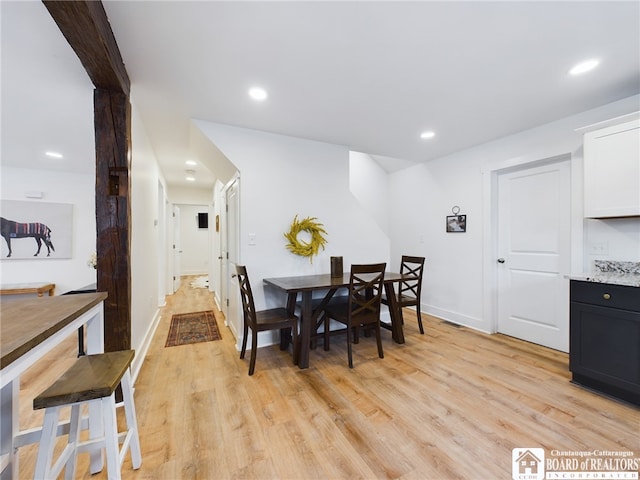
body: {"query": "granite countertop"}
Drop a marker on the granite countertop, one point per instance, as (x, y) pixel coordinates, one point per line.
(612, 272)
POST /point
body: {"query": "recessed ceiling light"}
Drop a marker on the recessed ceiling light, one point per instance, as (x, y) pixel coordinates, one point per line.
(53, 154)
(428, 134)
(258, 93)
(191, 162)
(584, 67)
(190, 179)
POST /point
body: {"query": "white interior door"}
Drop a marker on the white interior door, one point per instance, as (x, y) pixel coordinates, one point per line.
(177, 249)
(534, 254)
(233, 315)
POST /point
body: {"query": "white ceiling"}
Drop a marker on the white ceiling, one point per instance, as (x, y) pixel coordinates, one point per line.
(368, 75)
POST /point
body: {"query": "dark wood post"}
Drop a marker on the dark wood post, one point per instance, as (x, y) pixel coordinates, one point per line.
(112, 118)
(86, 27)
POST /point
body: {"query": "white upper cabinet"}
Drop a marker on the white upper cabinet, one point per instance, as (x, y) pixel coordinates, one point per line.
(612, 171)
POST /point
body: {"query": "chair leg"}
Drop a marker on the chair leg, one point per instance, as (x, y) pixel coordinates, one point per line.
(296, 353)
(254, 349)
(244, 340)
(285, 338)
(349, 349)
(419, 319)
(356, 334)
(379, 340)
(327, 335)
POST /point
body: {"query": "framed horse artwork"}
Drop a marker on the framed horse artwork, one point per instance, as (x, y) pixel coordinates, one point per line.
(35, 230)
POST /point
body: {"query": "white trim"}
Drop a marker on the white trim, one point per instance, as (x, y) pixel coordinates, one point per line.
(141, 353)
(453, 317)
(609, 123)
(490, 226)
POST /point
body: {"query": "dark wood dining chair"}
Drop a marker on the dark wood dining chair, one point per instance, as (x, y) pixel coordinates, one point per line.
(362, 307)
(409, 291)
(263, 320)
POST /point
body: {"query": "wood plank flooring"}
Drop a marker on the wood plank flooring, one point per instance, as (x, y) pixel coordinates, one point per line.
(450, 404)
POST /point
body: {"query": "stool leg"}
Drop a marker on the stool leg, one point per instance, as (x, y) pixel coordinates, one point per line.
(96, 431)
(74, 438)
(111, 436)
(67, 459)
(47, 443)
(132, 423)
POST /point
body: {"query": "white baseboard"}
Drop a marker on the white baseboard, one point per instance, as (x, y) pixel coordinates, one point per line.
(141, 352)
(455, 317)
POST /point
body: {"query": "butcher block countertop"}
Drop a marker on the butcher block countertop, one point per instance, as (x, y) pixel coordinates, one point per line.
(25, 323)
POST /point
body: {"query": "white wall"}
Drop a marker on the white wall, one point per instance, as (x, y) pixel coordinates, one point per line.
(57, 187)
(194, 241)
(146, 221)
(455, 265)
(282, 177)
(369, 183)
(189, 195)
(611, 239)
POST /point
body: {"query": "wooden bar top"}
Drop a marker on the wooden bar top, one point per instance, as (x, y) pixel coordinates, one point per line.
(27, 322)
(22, 288)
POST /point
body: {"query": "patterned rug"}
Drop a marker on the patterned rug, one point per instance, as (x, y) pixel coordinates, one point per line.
(192, 327)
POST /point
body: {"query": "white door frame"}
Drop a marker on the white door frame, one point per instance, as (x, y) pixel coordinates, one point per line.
(161, 225)
(229, 287)
(490, 225)
(177, 248)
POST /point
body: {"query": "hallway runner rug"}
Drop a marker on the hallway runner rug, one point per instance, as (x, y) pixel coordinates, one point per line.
(192, 327)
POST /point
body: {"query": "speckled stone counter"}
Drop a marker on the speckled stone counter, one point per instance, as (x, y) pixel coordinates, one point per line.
(612, 272)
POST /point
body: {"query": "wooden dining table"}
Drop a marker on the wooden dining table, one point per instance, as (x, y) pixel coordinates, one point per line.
(29, 329)
(306, 285)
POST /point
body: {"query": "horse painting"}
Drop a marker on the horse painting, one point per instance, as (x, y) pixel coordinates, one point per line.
(39, 231)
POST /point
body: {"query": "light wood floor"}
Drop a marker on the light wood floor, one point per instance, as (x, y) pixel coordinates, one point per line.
(450, 404)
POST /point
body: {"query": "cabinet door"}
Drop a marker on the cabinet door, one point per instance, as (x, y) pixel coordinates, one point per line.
(605, 346)
(612, 171)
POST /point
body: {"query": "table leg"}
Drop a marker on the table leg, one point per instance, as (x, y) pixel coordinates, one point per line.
(305, 330)
(395, 312)
(9, 428)
(285, 333)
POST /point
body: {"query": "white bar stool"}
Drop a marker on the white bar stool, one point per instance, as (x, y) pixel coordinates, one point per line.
(92, 380)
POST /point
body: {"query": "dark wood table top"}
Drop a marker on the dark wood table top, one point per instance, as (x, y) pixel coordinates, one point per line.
(301, 283)
(25, 323)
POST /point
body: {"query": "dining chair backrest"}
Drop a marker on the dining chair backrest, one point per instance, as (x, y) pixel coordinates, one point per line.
(263, 320)
(248, 306)
(413, 266)
(365, 292)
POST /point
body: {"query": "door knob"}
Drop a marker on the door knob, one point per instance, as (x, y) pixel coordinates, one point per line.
(501, 260)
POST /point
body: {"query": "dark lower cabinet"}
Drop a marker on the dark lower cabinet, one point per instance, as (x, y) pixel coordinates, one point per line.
(604, 349)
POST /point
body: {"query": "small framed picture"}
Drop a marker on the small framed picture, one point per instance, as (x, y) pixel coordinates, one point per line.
(456, 223)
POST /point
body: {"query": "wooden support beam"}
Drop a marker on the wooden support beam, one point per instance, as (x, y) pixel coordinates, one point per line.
(112, 118)
(85, 26)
